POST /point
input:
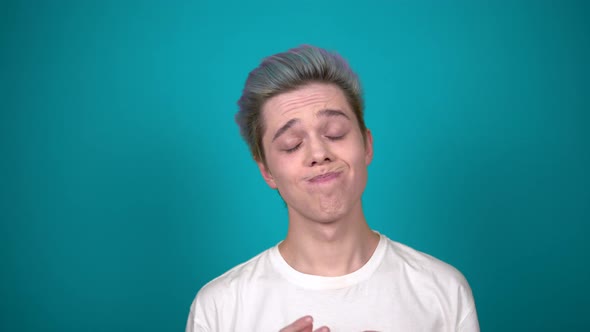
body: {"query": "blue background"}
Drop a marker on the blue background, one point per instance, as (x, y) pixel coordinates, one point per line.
(125, 185)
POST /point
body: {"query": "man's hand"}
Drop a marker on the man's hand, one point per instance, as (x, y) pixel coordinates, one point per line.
(303, 324)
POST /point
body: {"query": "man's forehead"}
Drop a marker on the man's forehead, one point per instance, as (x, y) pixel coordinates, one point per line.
(313, 97)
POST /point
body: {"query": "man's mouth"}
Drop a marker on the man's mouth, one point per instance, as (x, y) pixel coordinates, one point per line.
(326, 177)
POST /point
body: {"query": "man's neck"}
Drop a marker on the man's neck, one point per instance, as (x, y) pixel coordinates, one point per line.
(329, 249)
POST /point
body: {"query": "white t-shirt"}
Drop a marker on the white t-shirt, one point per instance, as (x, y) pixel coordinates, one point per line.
(398, 289)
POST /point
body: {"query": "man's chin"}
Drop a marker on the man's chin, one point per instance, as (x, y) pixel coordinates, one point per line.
(327, 216)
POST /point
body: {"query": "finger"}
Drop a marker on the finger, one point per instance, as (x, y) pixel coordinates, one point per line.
(303, 324)
(323, 329)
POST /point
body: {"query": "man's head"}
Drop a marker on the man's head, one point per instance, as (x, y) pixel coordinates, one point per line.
(302, 115)
(288, 71)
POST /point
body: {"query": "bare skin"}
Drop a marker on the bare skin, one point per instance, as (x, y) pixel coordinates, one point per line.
(317, 158)
(304, 324)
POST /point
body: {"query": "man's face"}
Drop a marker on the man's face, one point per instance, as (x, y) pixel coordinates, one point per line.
(315, 153)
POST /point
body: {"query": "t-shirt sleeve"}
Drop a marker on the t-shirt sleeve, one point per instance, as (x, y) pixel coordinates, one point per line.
(200, 315)
(470, 323)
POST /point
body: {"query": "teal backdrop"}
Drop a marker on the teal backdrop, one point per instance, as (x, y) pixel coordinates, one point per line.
(125, 185)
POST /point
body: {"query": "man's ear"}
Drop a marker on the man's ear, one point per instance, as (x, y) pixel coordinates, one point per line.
(266, 175)
(368, 147)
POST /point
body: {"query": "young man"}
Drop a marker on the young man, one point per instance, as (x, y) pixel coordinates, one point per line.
(301, 114)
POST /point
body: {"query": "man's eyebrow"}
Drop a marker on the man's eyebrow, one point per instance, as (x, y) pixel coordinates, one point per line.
(292, 122)
(330, 113)
(284, 128)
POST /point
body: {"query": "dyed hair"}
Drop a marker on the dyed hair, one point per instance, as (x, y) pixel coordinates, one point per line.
(288, 71)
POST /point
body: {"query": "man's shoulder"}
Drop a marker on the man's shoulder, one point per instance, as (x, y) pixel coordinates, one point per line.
(237, 276)
(420, 264)
(432, 280)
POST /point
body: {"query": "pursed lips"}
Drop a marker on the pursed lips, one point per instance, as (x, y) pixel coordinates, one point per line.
(324, 177)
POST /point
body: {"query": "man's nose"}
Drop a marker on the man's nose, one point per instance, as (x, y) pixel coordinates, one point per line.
(319, 153)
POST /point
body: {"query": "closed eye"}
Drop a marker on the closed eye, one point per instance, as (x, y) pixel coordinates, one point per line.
(335, 138)
(293, 149)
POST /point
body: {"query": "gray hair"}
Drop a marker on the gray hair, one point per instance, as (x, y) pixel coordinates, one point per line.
(287, 71)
